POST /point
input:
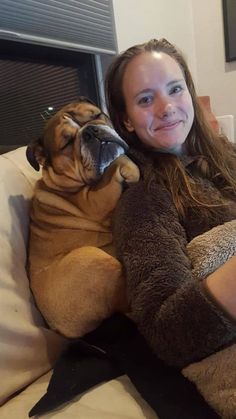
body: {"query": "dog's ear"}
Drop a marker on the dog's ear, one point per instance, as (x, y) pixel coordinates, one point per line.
(35, 154)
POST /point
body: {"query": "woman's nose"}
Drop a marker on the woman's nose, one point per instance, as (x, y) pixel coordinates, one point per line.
(164, 108)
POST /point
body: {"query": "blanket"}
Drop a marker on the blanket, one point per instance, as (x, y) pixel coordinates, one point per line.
(113, 349)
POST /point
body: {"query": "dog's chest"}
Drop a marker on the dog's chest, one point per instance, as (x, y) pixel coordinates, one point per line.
(51, 210)
(57, 227)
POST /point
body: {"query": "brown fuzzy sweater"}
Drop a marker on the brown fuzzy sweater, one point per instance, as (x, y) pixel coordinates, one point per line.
(181, 322)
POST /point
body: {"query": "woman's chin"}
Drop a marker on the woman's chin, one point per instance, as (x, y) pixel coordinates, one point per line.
(168, 146)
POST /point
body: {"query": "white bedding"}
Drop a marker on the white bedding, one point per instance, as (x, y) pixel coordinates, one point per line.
(116, 399)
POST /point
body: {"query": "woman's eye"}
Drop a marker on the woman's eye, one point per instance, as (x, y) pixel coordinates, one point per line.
(146, 100)
(176, 89)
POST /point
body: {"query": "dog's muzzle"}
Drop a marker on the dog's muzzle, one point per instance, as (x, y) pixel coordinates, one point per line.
(102, 133)
(103, 144)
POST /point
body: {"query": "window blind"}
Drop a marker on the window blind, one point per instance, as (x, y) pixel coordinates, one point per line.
(82, 25)
(32, 91)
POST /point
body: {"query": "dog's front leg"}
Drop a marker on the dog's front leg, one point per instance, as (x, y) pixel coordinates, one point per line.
(100, 200)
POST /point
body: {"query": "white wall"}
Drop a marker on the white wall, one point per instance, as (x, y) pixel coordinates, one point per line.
(215, 77)
(196, 27)
(138, 21)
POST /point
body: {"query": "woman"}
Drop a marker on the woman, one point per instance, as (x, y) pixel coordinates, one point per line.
(188, 186)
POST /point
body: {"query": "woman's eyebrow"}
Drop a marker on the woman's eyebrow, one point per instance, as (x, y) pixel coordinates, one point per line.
(148, 90)
(175, 81)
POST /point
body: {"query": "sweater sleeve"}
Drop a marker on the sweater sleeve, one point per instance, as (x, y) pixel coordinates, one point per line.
(171, 309)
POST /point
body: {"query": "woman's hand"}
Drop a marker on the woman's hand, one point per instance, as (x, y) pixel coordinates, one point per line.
(222, 286)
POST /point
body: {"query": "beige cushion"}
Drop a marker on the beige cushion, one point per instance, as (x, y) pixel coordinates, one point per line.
(27, 347)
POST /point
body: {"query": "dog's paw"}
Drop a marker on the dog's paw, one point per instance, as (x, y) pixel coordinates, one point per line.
(128, 170)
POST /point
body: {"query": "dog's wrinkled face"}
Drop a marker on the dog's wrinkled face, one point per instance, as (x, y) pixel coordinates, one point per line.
(77, 145)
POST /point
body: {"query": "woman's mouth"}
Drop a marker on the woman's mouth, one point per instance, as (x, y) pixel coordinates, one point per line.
(168, 126)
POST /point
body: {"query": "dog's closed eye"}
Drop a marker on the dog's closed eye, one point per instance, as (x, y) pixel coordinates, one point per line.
(69, 139)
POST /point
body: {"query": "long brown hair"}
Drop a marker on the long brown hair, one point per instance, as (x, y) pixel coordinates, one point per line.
(216, 155)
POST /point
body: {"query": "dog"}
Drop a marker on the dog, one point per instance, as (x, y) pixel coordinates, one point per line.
(75, 278)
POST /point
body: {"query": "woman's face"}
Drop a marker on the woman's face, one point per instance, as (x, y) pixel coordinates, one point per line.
(158, 103)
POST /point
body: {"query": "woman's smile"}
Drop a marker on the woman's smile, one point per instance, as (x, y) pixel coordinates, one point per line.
(168, 126)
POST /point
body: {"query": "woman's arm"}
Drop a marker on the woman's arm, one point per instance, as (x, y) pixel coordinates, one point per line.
(172, 310)
(221, 284)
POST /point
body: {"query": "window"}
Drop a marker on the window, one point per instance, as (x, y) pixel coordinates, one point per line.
(35, 82)
(49, 57)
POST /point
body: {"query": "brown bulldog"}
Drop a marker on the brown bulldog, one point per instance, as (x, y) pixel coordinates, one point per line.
(75, 278)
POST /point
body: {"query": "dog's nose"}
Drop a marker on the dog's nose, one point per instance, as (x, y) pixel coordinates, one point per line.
(90, 132)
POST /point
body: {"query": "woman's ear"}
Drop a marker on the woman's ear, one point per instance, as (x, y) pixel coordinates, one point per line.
(128, 125)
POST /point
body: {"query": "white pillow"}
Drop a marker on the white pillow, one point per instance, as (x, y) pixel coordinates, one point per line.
(27, 348)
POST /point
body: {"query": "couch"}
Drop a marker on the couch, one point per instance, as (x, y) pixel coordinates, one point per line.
(28, 349)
